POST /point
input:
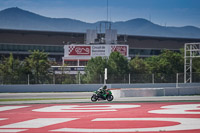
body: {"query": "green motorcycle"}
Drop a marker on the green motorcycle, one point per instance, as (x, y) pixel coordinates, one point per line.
(100, 95)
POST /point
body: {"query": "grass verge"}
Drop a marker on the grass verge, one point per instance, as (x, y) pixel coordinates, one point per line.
(37, 99)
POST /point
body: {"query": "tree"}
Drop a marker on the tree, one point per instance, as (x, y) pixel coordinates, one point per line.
(173, 62)
(117, 68)
(117, 64)
(37, 65)
(196, 65)
(196, 70)
(138, 66)
(139, 70)
(11, 70)
(168, 62)
(95, 69)
(166, 65)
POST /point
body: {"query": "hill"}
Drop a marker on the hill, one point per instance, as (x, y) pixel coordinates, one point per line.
(16, 18)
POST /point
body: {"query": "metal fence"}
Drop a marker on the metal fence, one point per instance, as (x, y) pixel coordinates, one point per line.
(98, 79)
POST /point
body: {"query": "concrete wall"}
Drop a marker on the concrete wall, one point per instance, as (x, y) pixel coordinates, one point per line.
(151, 92)
(142, 92)
(49, 88)
(73, 87)
(156, 85)
(121, 90)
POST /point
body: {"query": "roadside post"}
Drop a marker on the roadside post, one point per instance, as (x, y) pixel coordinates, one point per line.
(105, 76)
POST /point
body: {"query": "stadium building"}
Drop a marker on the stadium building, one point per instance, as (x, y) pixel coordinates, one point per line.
(19, 42)
(80, 54)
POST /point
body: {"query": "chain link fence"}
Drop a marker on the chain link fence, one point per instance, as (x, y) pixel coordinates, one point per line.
(98, 79)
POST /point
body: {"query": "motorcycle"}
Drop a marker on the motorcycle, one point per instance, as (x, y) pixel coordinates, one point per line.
(99, 96)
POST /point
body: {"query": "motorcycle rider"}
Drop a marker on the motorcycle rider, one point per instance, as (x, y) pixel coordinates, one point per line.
(102, 94)
(102, 91)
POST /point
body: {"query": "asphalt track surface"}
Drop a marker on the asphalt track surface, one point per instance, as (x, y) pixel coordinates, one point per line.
(178, 114)
(154, 117)
(45, 95)
(83, 97)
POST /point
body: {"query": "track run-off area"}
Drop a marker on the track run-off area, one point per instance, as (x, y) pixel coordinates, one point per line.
(152, 117)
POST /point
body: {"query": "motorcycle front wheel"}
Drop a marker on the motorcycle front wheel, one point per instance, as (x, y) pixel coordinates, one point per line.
(110, 98)
(94, 98)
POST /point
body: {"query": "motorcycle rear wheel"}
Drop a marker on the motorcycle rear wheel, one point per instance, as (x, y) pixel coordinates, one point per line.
(94, 98)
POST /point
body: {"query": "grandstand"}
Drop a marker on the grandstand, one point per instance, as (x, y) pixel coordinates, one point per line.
(19, 42)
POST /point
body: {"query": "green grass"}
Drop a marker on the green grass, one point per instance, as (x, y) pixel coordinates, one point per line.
(37, 99)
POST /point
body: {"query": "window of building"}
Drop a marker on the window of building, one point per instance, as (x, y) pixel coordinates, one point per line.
(144, 52)
(71, 62)
(26, 48)
(83, 62)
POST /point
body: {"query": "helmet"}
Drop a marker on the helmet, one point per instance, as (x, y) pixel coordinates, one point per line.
(104, 87)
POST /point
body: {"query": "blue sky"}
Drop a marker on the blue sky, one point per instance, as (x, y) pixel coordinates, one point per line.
(163, 12)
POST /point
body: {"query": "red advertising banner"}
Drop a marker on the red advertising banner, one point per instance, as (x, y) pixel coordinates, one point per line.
(120, 49)
(80, 50)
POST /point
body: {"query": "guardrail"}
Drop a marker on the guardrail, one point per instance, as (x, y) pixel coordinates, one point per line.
(85, 87)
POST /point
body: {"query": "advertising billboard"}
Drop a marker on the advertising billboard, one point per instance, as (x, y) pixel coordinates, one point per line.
(119, 48)
(79, 50)
(88, 51)
(99, 50)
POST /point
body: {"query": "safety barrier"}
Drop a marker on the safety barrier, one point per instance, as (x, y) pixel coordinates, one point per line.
(122, 90)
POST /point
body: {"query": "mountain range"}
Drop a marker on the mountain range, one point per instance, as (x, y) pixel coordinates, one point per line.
(16, 18)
